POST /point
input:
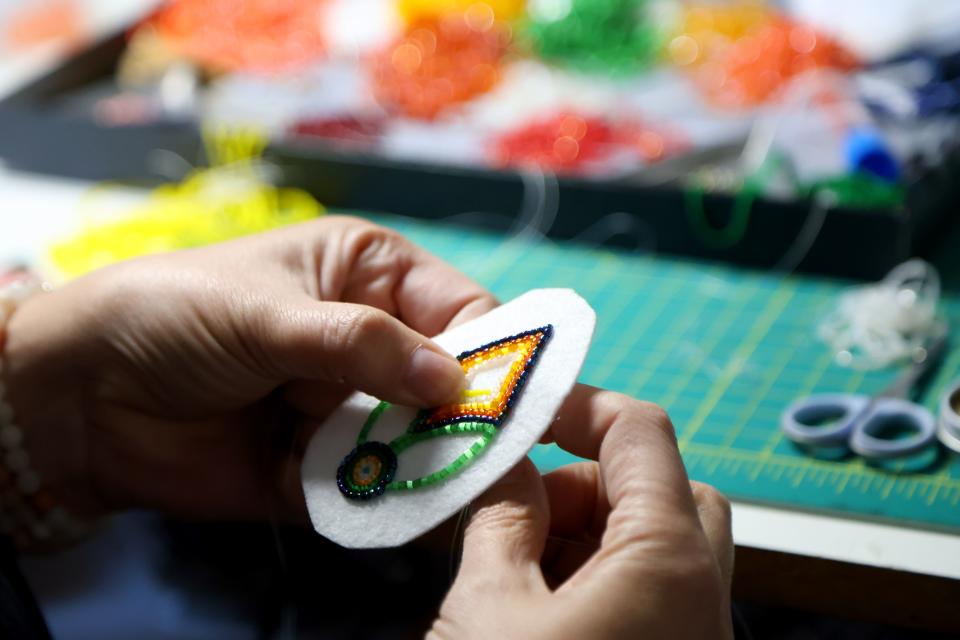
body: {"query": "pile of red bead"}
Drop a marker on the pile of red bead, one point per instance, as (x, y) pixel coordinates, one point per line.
(569, 142)
(352, 130)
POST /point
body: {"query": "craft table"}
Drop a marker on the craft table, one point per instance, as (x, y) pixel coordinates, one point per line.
(847, 565)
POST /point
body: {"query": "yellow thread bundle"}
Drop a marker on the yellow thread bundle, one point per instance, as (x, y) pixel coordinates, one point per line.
(210, 205)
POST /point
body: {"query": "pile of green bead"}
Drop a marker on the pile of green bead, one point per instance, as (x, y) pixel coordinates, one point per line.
(613, 36)
(859, 191)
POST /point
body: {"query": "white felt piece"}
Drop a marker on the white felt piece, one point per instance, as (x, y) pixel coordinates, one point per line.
(397, 517)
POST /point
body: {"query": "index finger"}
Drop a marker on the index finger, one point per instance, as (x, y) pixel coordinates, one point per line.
(349, 259)
(386, 270)
(434, 296)
(636, 446)
(582, 421)
(642, 469)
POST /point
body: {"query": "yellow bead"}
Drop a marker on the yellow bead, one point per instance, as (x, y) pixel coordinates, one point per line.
(479, 12)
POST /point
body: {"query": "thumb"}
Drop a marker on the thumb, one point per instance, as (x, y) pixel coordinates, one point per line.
(364, 348)
(505, 535)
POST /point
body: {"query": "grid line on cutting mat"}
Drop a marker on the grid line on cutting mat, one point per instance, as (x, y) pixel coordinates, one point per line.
(724, 350)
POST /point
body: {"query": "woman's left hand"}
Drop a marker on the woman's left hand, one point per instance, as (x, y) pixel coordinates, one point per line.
(163, 382)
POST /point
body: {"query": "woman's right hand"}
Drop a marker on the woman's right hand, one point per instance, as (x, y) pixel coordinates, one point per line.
(626, 547)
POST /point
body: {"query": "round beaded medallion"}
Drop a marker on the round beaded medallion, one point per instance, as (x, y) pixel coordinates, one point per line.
(366, 471)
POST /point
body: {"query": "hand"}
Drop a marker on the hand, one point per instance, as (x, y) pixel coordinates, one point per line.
(159, 382)
(627, 548)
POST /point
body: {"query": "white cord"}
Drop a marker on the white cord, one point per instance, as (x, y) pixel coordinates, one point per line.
(877, 325)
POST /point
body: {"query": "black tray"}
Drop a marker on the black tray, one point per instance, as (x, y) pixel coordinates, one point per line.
(38, 134)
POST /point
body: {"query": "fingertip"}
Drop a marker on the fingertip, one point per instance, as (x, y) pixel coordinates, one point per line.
(433, 376)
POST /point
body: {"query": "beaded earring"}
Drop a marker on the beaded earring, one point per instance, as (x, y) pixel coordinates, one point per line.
(369, 470)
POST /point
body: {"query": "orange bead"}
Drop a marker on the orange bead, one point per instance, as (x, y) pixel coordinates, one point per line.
(439, 63)
(752, 70)
(234, 35)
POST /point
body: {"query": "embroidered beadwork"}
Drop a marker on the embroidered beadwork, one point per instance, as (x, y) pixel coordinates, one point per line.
(368, 470)
(520, 351)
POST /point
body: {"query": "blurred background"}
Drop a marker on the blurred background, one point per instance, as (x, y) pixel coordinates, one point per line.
(711, 175)
(658, 124)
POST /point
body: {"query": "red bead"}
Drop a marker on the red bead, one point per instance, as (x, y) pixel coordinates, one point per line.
(342, 128)
(569, 142)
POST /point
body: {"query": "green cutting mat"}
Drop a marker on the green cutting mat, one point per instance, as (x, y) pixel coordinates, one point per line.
(724, 351)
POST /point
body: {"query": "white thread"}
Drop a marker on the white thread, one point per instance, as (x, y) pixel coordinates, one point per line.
(877, 325)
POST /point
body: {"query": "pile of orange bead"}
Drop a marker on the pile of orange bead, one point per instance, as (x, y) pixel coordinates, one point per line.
(37, 23)
(439, 63)
(243, 35)
(753, 69)
(523, 347)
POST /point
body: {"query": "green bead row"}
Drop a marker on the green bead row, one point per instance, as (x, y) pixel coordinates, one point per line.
(407, 440)
(485, 438)
(371, 420)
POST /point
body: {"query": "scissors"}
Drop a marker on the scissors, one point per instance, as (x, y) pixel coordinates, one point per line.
(859, 420)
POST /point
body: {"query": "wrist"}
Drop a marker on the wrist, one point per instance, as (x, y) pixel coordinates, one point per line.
(45, 486)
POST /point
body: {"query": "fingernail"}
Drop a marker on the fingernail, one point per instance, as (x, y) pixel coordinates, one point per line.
(434, 378)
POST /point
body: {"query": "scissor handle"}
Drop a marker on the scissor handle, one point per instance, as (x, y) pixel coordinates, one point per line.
(948, 425)
(885, 412)
(802, 420)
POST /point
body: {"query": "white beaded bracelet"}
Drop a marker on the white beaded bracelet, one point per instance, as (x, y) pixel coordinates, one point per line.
(29, 514)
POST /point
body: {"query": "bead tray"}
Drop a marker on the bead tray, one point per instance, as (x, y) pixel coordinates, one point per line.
(40, 131)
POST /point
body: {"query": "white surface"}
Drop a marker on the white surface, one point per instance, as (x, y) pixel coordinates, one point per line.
(34, 210)
(396, 517)
(882, 28)
(868, 543)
